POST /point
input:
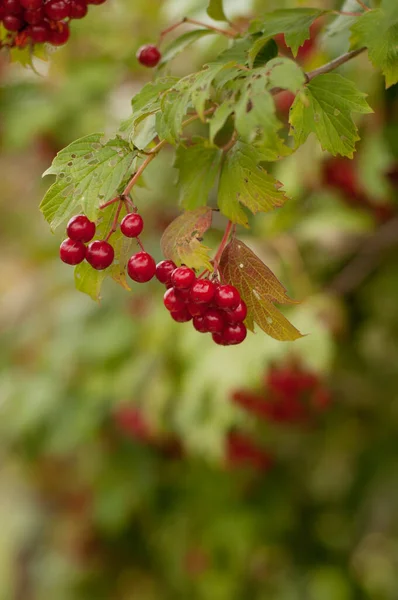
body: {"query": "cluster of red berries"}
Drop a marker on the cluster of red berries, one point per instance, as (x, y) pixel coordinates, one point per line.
(148, 55)
(212, 307)
(39, 21)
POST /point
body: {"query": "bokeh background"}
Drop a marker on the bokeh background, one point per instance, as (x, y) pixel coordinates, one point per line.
(138, 460)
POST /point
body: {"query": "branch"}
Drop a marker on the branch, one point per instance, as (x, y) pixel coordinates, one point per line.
(333, 64)
(221, 248)
(363, 5)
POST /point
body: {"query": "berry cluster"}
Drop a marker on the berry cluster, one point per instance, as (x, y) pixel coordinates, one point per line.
(39, 21)
(212, 307)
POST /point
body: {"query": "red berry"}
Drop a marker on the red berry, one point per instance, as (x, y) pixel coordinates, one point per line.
(202, 290)
(199, 324)
(31, 4)
(181, 316)
(197, 310)
(239, 313)
(12, 7)
(214, 320)
(164, 270)
(219, 339)
(132, 225)
(183, 294)
(226, 297)
(81, 229)
(172, 302)
(182, 278)
(59, 36)
(34, 17)
(38, 33)
(56, 10)
(78, 9)
(12, 23)
(141, 267)
(234, 334)
(97, 2)
(72, 252)
(100, 255)
(148, 55)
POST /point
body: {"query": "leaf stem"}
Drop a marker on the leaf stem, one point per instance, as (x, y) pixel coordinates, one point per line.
(221, 248)
(230, 34)
(115, 220)
(333, 64)
(115, 199)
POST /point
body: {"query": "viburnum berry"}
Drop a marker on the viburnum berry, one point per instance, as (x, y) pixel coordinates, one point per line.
(172, 302)
(72, 252)
(78, 9)
(39, 33)
(81, 229)
(214, 320)
(148, 55)
(181, 316)
(182, 278)
(226, 297)
(219, 339)
(202, 290)
(12, 23)
(234, 333)
(34, 17)
(164, 270)
(12, 7)
(141, 267)
(31, 4)
(57, 10)
(132, 225)
(60, 35)
(197, 310)
(100, 254)
(238, 314)
(199, 324)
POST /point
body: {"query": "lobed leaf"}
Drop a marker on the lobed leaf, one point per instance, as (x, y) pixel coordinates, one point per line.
(182, 42)
(197, 166)
(259, 288)
(294, 23)
(181, 241)
(89, 280)
(325, 108)
(378, 31)
(245, 182)
(88, 174)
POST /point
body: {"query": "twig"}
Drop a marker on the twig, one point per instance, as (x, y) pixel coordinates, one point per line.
(224, 242)
(363, 5)
(333, 64)
(230, 34)
(115, 220)
(366, 260)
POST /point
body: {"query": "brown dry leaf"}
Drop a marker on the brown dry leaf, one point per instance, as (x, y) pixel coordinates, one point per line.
(181, 242)
(259, 288)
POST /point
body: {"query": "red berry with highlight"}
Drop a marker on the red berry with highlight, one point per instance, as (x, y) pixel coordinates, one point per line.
(239, 313)
(81, 229)
(235, 334)
(56, 10)
(12, 7)
(100, 255)
(164, 270)
(172, 302)
(202, 291)
(197, 310)
(31, 4)
(78, 9)
(182, 278)
(12, 23)
(148, 55)
(72, 252)
(59, 36)
(34, 17)
(141, 267)
(226, 297)
(199, 324)
(219, 339)
(38, 33)
(132, 225)
(214, 320)
(181, 316)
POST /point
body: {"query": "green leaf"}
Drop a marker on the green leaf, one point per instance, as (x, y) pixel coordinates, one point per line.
(378, 31)
(145, 104)
(325, 108)
(181, 241)
(255, 111)
(244, 182)
(294, 23)
(263, 50)
(89, 280)
(201, 89)
(178, 45)
(215, 10)
(344, 22)
(259, 288)
(286, 74)
(198, 167)
(88, 174)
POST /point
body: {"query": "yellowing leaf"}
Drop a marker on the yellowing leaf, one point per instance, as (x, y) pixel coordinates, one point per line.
(181, 242)
(89, 280)
(244, 182)
(259, 288)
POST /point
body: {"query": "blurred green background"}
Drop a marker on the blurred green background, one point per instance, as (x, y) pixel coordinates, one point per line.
(119, 477)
